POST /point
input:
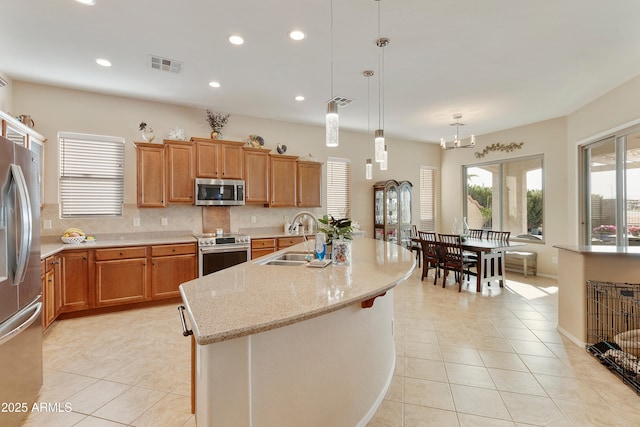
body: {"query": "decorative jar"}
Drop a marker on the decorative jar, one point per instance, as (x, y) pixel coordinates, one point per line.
(341, 252)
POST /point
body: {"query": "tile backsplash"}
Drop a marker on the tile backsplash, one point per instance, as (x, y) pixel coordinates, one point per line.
(177, 217)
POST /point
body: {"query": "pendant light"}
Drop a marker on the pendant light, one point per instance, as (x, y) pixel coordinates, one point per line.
(368, 167)
(332, 137)
(379, 142)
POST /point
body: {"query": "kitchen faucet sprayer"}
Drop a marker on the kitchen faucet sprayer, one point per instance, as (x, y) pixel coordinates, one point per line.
(294, 226)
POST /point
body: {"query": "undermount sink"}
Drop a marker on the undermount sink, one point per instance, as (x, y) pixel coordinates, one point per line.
(290, 259)
(296, 256)
(285, 262)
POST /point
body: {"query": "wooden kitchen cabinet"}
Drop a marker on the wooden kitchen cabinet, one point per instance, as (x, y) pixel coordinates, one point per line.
(51, 289)
(172, 265)
(74, 274)
(261, 247)
(285, 242)
(282, 182)
(121, 275)
(309, 184)
(256, 175)
(180, 171)
(151, 175)
(218, 159)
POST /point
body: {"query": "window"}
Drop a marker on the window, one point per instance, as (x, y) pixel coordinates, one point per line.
(91, 175)
(338, 187)
(427, 199)
(506, 195)
(611, 208)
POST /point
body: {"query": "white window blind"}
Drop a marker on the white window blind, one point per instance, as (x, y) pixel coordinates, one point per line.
(338, 187)
(91, 175)
(427, 199)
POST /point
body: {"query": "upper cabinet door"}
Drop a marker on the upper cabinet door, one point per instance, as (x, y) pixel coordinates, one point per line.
(207, 155)
(231, 160)
(256, 175)
(180, 171)
(309, 184)
(151, 176)
(283, 181)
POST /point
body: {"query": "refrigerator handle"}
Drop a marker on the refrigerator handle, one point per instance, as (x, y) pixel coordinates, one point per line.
(25, 221)
(16, 324)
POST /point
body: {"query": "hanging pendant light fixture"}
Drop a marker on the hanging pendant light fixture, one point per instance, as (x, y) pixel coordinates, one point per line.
(332, 137)
(368, 167)
(379, 142)
(457, 143)
(384, 163)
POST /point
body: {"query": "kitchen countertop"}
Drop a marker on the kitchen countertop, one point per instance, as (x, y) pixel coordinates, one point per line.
(249, 298)
(600, 249)
(51, 245)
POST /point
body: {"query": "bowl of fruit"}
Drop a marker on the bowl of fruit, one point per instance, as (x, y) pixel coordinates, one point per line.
(73, 235)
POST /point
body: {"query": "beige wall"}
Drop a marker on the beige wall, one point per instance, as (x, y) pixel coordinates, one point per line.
(547, 138)
(57, 109)
(615, 110)
(6, 96)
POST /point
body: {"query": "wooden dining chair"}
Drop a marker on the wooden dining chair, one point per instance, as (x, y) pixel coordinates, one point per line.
(475, 233)
(453, 259)
(498, 235)
(415, 246)
(495, 261)
(431, 257)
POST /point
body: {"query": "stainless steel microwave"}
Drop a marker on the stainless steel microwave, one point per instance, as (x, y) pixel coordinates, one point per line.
(219, 192)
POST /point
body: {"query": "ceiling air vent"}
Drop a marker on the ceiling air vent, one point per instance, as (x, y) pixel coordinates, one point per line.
(3, 82)
(165, 64)
(341, 101)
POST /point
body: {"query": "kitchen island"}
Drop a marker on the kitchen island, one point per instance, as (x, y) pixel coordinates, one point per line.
(294, 345)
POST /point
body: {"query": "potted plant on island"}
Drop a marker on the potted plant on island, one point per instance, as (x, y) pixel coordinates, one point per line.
(216, 122)
(339, 235)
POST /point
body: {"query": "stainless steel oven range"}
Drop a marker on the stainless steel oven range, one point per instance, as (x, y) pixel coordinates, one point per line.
(217, 252)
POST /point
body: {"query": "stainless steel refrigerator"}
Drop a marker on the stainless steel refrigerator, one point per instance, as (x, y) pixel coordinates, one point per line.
(20, 282)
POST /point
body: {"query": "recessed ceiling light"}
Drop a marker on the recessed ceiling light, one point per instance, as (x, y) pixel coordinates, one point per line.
(103, 62)
(297, 35)
(235, 39)
(299, 98)
(87, 2)
(214, 84)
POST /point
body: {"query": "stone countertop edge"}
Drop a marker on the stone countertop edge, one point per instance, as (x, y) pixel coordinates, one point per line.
(198, 293)
(48, 247)
(601, 249)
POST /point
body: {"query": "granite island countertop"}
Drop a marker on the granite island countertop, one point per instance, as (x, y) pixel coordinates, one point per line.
(250, 298)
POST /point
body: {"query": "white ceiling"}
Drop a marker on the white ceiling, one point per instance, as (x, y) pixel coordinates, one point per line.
(500, 63)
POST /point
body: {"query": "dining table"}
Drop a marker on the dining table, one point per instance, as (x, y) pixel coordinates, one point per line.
(480, 246)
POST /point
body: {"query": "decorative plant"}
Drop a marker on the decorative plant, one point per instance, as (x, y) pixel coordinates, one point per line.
(634, 230)
(217, 120)
(336, 228)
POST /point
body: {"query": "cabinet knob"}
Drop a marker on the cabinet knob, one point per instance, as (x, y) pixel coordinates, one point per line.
(120, 253)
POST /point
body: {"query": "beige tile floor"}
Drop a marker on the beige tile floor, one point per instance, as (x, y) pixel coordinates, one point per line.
(463, 359)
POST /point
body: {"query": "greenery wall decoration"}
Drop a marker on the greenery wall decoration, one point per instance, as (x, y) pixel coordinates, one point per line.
(498, 146)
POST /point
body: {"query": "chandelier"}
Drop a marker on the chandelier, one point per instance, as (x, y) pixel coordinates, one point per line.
(457, 143)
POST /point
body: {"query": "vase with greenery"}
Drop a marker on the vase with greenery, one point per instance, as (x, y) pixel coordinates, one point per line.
(336, 228)
(216, 121)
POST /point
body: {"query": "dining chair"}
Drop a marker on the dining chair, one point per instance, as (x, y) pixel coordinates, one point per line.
(453, 259)
(498, 235)
(475, 233)
(431, 257)
(415, 245)
(495, 260)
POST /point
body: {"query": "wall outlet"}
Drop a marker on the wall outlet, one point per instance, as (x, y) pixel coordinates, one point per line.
(253, 219)
(47, 224)
(136, 222)
(164, 221)
(554, 260)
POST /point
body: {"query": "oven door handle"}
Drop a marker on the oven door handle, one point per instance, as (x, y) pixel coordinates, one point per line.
(212, 250)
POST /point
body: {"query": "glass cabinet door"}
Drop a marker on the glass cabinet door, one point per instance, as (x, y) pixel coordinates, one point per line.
(392, 206)
(379, 207)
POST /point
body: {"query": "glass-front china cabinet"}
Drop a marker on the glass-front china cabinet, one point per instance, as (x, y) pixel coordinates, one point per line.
(392, 211)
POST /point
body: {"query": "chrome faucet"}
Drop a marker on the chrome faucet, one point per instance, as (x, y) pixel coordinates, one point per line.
(293, 226)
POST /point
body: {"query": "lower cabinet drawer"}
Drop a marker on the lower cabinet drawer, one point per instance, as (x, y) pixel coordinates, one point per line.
(263, 243)
(168, 250)
(285, 242)
(121, 253)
